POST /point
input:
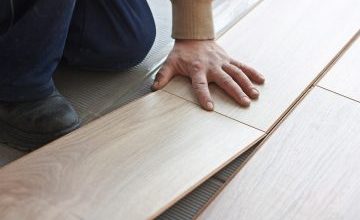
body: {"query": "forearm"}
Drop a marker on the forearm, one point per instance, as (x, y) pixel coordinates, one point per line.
(192, 19)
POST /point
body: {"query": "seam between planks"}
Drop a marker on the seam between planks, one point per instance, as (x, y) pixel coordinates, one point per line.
(339, 94)
(318, 77)
(283, 117)
(261, 143)
(219, 113)
(341, 53)
(322, 73)
(157, 66)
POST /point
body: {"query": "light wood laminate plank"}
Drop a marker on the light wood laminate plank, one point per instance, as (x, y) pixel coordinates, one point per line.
(290, 42)
(130, 164)
(344, 76)
(307, 169)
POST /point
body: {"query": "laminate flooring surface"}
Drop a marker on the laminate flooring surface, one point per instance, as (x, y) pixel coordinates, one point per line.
(344, 76)
(291, 43)
(130, 164)
(307, 169)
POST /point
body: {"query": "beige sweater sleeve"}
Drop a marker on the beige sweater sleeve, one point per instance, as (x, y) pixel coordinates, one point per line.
(192, 19)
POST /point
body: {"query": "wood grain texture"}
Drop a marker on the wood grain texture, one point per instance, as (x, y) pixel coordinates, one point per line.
(290, 42)
(308, 169)
(130, 164)
(344, 76)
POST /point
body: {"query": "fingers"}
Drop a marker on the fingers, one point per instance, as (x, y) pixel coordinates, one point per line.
(201, 89)
(163, 77)
(242, 80)
(227, 83)
(253, 75)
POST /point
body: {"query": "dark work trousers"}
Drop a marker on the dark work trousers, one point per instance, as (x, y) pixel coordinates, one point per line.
(35, 35)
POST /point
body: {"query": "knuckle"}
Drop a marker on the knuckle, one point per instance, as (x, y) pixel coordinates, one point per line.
(198, 86)
(226, 66)
(212, 69)
(249, 85)
(232, 70)
(245, 80)
(196, 66)
(213, 64)
(226, 80)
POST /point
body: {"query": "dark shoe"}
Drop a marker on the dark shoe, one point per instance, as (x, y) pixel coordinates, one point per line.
(29, 125)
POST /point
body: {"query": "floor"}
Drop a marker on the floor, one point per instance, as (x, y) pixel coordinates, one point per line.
(320, 83)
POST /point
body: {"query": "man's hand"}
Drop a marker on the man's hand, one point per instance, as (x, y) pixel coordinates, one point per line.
(203, 61)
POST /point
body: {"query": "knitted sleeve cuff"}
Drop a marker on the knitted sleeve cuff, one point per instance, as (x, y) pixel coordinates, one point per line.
(192, 19)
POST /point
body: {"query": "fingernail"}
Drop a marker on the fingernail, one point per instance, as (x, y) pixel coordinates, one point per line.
(210, 105)
(262, 78)
(246, 100)
(255, 92)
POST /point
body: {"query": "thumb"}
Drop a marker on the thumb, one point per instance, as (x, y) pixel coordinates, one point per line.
(164, 75)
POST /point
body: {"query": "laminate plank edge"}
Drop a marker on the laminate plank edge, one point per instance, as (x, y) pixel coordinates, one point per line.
(307, 169)
(130, 164)
(344, 77)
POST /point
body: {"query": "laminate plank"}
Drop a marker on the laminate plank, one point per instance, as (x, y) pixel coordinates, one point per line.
(307, 169)
(344, 76)
(290, 42)
(39, 209)
(191, 205)
(130, 164)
